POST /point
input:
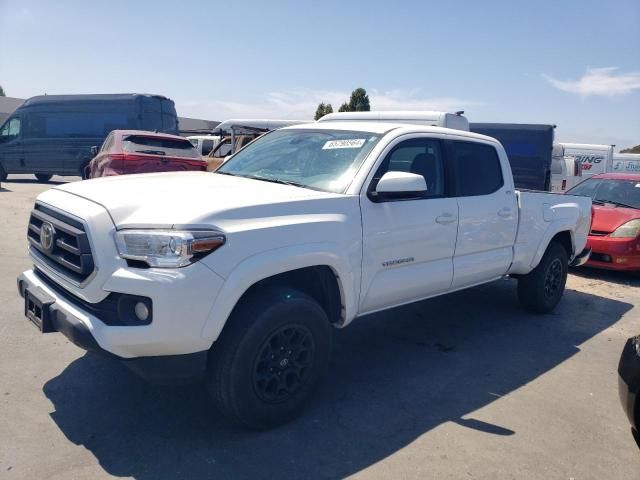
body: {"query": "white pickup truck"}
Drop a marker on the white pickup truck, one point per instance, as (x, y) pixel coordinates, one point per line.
(238, 276)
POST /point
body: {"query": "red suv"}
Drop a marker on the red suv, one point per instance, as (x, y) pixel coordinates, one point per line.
(136, 151)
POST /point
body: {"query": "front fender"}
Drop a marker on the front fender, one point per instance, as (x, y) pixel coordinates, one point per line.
(272, 262)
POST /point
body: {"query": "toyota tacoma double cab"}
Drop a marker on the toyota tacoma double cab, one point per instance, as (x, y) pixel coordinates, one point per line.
(237, 277)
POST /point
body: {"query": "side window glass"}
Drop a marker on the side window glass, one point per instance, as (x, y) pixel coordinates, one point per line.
(207, 146)
(420, 156)
(107, 143)
(477, 168)
(14, 127)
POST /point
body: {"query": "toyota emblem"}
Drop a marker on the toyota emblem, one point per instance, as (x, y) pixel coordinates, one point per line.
(47, 236)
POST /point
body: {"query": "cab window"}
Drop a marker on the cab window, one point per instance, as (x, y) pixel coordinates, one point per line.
(421, 156)
(476, 167)
(10, 130)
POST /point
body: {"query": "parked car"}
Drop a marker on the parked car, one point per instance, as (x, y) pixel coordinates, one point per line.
(615, 232)
(53, 134)
(137, 151)
(566, 170)
(238, 276)
(529, 148)
(204, 143)
(629, 384)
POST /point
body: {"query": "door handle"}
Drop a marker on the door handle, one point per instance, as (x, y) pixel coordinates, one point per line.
(446, 218)
(505, 212)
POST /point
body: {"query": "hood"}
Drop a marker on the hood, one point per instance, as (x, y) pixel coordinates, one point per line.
(606, 218)
(173, 200)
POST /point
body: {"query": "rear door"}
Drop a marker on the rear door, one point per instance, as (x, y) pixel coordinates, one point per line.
(408, 245)
(487, 209)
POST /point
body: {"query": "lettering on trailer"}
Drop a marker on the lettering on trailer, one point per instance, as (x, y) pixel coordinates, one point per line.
(587, 161)
(629, 166)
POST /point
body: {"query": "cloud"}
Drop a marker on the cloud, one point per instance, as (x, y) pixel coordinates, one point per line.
(301, 104)
(599, 81)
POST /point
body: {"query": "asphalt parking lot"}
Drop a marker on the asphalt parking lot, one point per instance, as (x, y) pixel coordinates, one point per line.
(463, 386)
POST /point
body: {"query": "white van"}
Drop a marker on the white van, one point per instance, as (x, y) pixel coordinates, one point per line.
(204, 143)
(626, 163)
(566, 170)
(593, 158)
(456, 120)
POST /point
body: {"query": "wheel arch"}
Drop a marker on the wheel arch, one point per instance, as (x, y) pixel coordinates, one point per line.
(323, 276)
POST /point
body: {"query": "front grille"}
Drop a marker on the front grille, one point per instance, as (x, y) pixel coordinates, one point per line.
(598, 233)
(600, 257)
(62, 242)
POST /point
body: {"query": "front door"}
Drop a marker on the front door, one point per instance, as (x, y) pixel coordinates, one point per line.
(408, 244)
(11, 155)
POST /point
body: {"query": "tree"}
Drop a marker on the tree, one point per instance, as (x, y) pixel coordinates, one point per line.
(635, 149)
(322, 110)
(359, 101)
(2, 94)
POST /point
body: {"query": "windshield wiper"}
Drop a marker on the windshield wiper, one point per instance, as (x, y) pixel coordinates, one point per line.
(152, 152)
(276, 180)
(225, 173)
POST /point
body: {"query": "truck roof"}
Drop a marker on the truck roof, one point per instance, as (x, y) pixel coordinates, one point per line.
(385, 127)
(586, 146)
(43, 99)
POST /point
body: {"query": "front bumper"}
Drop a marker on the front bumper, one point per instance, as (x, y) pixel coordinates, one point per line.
(621, 254)
(170, 347)
(629, 382)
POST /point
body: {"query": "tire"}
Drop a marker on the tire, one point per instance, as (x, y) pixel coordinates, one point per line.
(541, 289)
(3, 174)
(42, 178)
(275, 339)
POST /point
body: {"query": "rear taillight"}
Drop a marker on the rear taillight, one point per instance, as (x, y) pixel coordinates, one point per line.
(564, 185)
(577, 169)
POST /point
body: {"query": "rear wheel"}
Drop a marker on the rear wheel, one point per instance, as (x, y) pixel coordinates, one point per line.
(42, 178)
(541, 289)
(269, 358)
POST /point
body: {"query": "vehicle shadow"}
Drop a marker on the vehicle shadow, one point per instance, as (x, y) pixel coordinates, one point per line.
(394, 376)
(621, 278)
(34, 180)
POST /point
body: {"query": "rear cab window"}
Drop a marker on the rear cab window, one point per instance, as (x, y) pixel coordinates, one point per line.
(174, 147)
(476, 168)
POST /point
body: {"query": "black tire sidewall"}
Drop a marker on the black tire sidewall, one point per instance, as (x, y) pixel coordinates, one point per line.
(43, 178)
(292, 308)
(531, 287)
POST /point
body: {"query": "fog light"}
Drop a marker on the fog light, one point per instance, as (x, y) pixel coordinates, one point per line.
(141, 311)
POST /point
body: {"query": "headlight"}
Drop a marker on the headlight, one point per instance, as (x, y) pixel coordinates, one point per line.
(630, 229)
(167, 248)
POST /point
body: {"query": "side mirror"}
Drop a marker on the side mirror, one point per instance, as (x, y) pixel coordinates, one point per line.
(94, 151)
(400, 185)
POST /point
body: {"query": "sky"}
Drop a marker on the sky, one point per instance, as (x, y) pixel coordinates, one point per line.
(572, 63)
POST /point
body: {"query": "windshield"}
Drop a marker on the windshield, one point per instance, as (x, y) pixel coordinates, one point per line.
(324, 160)
(624, 193)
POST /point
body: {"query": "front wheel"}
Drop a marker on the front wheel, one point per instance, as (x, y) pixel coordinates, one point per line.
(541, 289)
(270, 357)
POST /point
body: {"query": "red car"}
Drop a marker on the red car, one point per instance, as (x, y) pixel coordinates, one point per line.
(615, 229)
(135, 151)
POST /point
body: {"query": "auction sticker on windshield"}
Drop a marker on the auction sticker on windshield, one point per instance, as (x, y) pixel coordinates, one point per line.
(347, 143)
